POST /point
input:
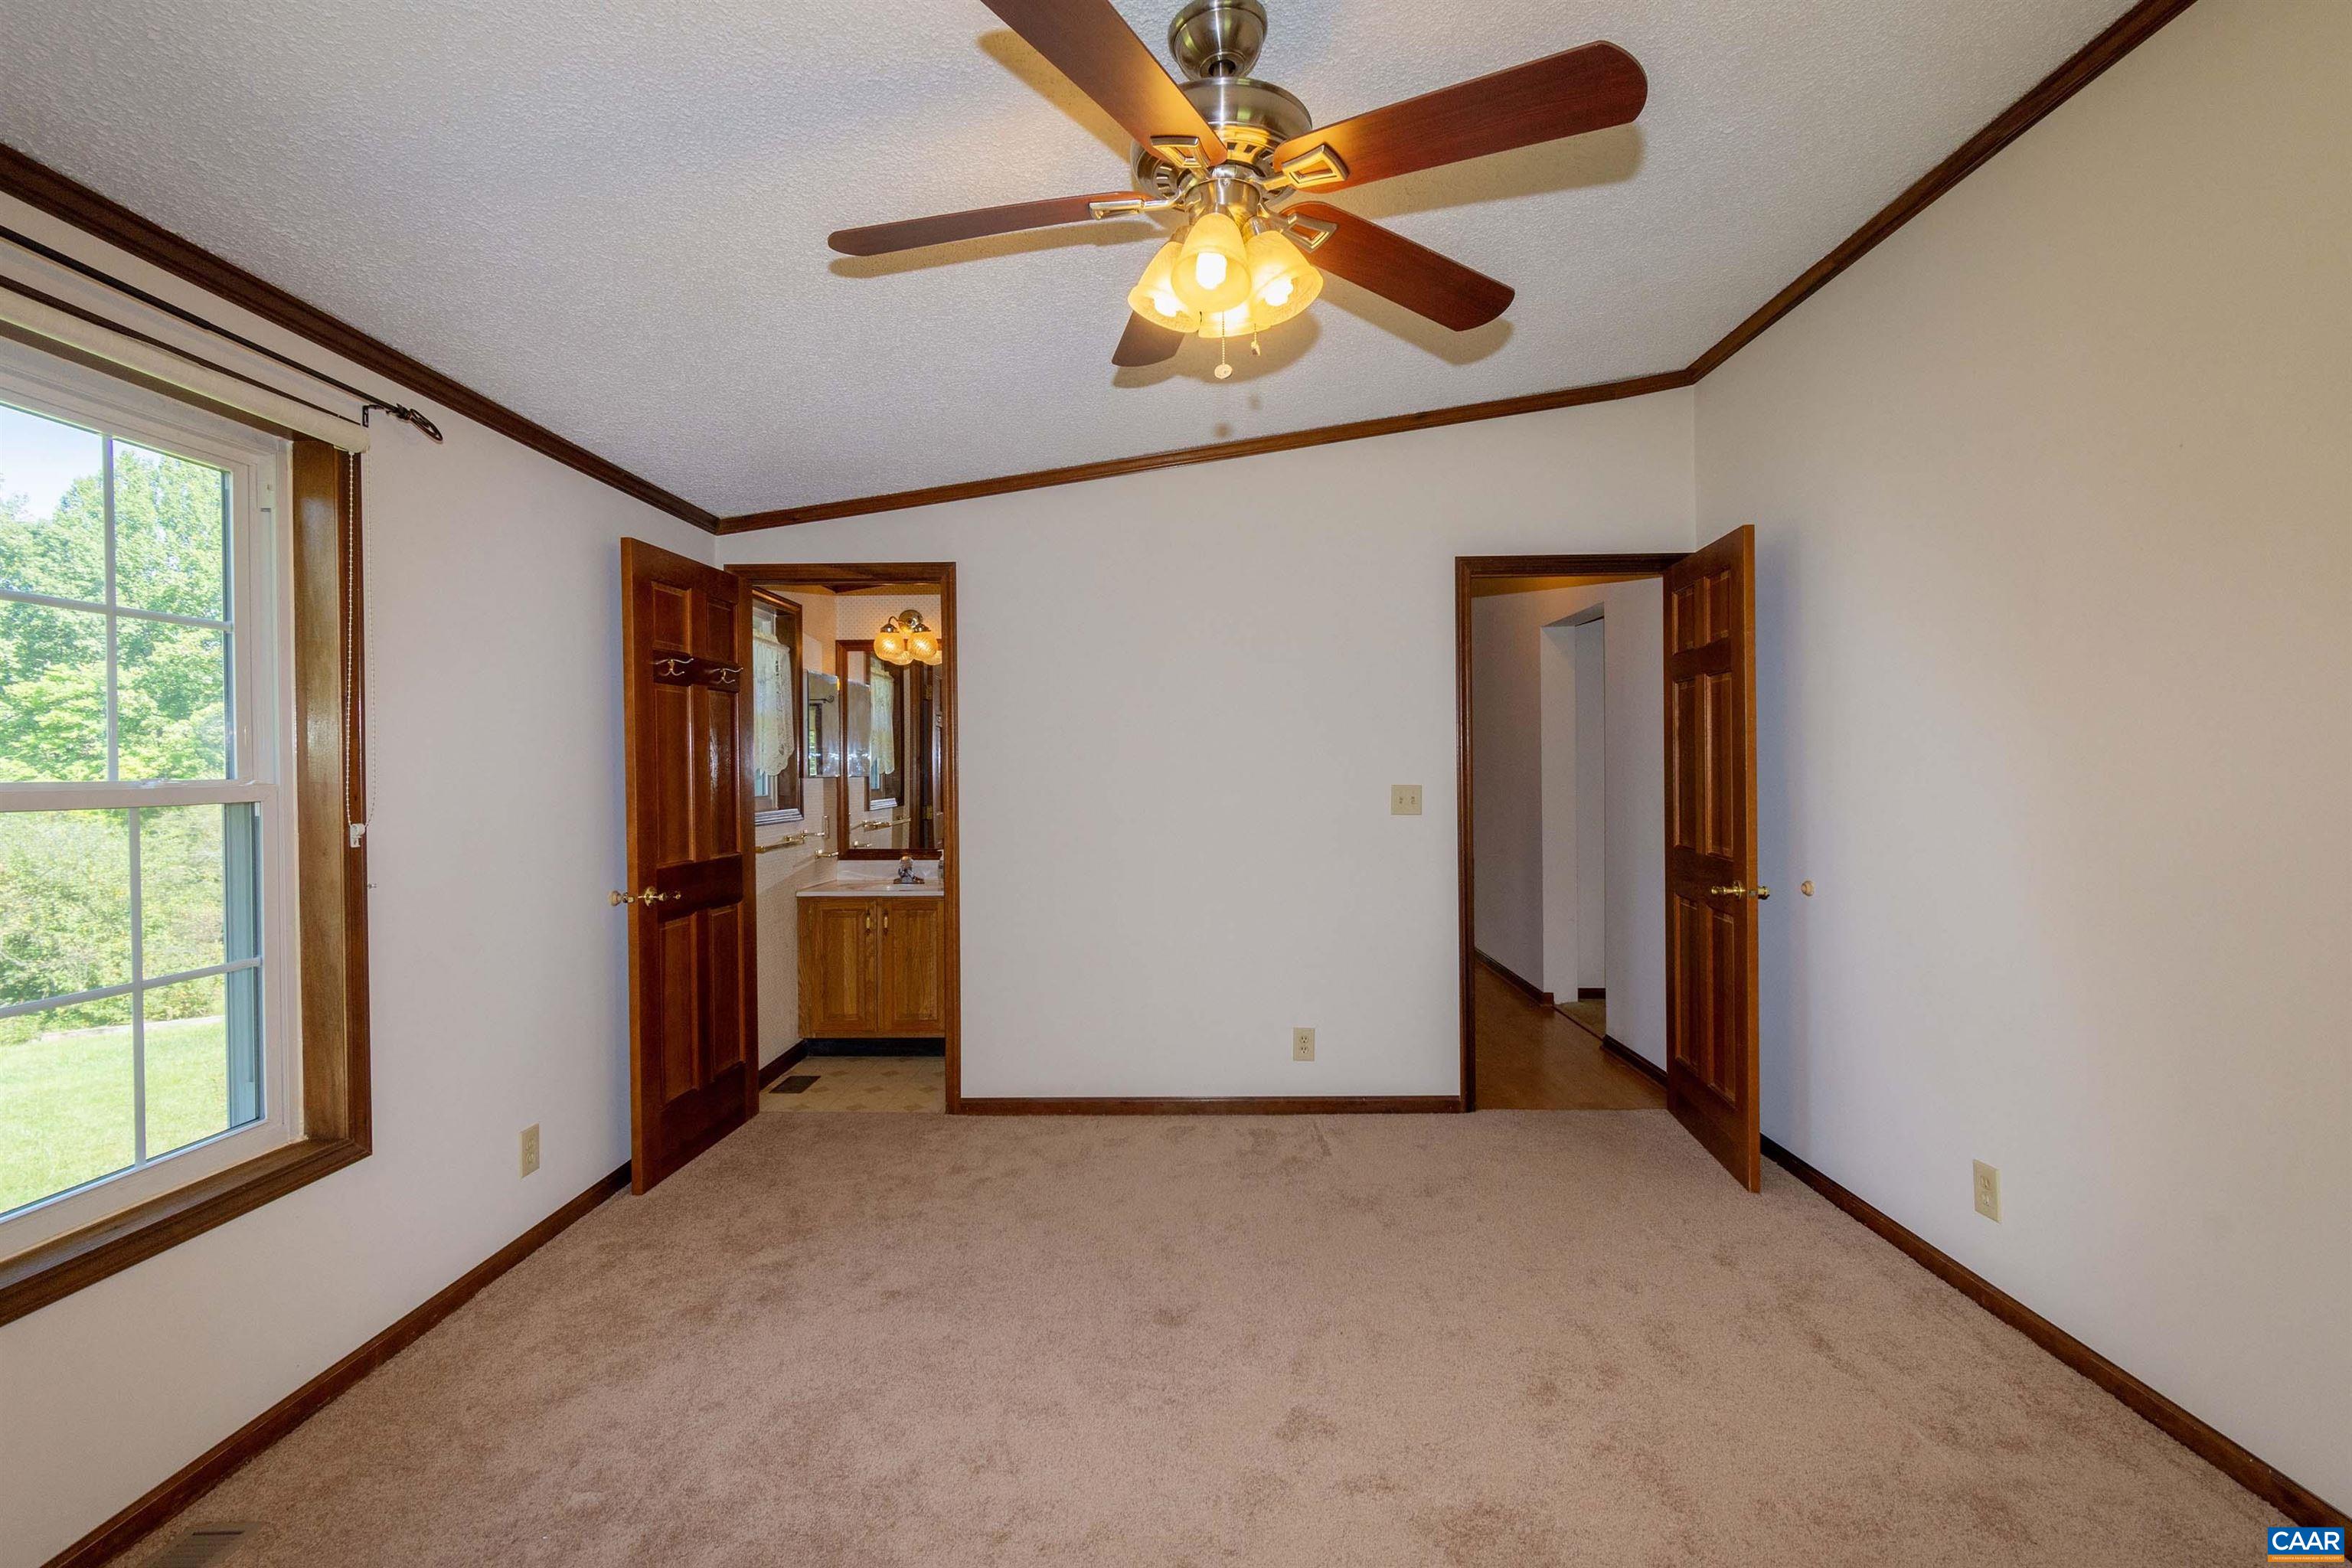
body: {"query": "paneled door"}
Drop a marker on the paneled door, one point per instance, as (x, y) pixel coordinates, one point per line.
(693, 999)
(1711, 889)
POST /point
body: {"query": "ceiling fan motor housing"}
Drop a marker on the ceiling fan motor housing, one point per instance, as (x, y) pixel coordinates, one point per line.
(1214, 43)
(1217, 37)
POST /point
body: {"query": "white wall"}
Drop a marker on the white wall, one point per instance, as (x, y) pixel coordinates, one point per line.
(1508, 779)
(499, 984)
(2055, 573)
(1561, 720)
(1173, 855)
(1633, 802)
(1585, 643)
(1575, 829)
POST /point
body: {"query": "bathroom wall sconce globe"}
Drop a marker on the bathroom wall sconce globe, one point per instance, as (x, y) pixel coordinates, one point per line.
(905, 639)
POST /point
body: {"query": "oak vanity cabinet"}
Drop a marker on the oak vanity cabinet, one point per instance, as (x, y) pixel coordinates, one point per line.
(870, 967)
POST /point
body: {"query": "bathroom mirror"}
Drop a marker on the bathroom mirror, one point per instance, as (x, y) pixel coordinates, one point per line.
(776, 729)
(888, 787)
(820, 728)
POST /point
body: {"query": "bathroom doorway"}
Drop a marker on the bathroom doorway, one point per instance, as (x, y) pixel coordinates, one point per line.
(853, 836)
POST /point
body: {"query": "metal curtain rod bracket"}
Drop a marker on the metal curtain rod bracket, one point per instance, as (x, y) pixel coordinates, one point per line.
(368, 401)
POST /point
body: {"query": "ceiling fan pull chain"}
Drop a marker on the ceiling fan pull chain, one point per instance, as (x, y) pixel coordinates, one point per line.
(1223, 370)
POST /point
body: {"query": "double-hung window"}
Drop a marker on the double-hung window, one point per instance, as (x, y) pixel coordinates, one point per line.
(149, 1006)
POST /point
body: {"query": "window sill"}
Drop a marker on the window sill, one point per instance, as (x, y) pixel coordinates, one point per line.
(56, 1269)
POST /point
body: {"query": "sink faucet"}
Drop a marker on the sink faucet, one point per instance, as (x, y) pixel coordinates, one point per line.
(906, 876)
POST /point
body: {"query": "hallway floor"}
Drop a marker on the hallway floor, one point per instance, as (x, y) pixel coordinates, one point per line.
(1532, 1057)
(1497, 1341)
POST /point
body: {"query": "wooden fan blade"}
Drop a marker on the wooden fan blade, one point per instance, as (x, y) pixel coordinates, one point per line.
(1091, 43)
(1145, 342)
(1567, 94)
(1394, 268)
(908, 234)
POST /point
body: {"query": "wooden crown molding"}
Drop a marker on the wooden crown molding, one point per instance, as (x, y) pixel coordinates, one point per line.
(38, 186)
(64, 198)
(2127, 33)
(1215, 452)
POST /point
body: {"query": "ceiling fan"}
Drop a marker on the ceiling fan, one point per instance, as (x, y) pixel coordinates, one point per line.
(1235, 160)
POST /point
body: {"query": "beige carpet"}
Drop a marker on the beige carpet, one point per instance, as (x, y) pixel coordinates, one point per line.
(1507, 1339)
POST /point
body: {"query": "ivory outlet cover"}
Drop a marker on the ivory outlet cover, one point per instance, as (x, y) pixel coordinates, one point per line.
(1404, 800)
(1988, 1192)
(530, 1149)
(1302, 1045)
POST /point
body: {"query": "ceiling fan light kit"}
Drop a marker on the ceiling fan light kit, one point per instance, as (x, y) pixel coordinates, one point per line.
(1229, 156)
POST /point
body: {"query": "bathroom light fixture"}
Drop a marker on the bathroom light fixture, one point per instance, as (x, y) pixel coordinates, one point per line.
(905, 639)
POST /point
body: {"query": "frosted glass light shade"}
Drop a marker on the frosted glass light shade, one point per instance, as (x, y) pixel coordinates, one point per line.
(1212, 269)
(1282, 281)
(1238, 322)
(890, 643)
(924, 646)
(1154, 299)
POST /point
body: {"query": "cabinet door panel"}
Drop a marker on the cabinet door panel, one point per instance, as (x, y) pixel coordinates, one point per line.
(914, 1000)
(838, 979)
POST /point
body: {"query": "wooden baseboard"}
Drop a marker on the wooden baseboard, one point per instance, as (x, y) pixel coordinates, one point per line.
(782, 1064)
(1634, 1059)
(1592, 993)
(216, 1464)
(1230, 1105)
(2290, 1497)
(1518, 983)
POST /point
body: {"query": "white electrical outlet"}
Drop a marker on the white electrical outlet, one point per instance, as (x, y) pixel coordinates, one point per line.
(530, 1149)
(1302, 1045)
(1404, 800)
(1988, 1192)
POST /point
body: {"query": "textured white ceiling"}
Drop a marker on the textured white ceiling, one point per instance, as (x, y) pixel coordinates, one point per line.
(611, 216)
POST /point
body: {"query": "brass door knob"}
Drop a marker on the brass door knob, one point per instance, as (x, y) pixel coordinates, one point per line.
(1740, 890)
(650, 896)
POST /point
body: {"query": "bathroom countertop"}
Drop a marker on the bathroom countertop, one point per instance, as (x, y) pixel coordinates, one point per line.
(840, 887)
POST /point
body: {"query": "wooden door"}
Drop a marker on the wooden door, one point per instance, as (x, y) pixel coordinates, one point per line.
(839, 980)
(914, 1000)
(693, 1050)
(1711, 889)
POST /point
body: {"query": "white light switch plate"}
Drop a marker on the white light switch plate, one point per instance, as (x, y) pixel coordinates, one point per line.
(1404, 800)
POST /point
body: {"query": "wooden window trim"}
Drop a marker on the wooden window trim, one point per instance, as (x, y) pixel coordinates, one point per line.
(328, 787)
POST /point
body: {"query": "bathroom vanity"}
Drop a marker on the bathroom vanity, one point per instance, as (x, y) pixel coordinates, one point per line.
(871, 961)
